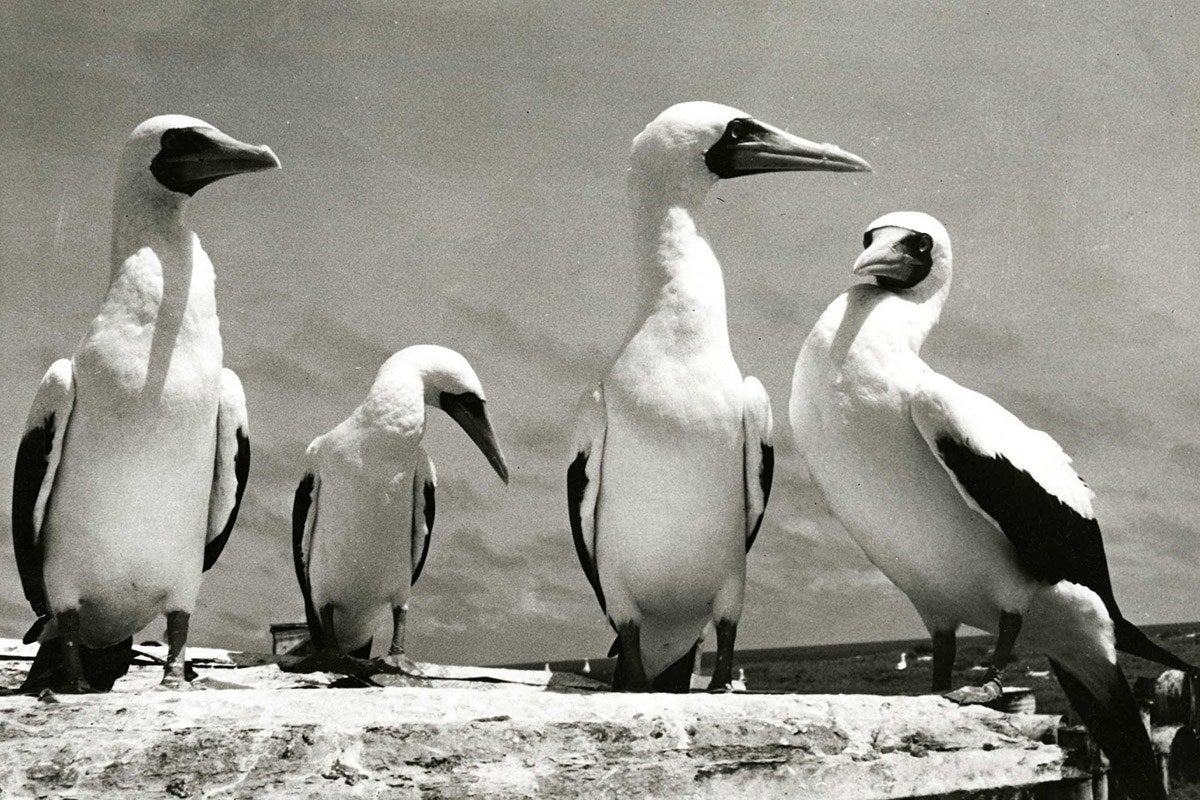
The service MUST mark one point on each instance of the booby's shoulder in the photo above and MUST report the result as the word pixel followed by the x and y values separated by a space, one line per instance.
pixel 949 415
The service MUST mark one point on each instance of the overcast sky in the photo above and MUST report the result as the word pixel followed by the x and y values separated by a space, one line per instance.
pixel 455 175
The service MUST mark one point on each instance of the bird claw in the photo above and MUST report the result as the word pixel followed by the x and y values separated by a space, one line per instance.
pixel 397 663
pixel 976 695
pixel 173 682
pixel 78 686
pixel 329 661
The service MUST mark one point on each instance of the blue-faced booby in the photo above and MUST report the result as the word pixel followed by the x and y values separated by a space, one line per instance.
pixel 117 507
pixel 364 511
pixel 976 517
pixel 672 463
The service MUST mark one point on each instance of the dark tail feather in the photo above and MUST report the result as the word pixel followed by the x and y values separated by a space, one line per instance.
pixel 1117 728
pixel 1130 639
pixel 44 670
pixel 35 630
pixel 677 678
pixel 101 666
pixel 616 647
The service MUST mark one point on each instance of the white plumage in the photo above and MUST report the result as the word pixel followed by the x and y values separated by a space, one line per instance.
pixel 672 452
pixel 129 508
pixel 364 512
pixel 976 517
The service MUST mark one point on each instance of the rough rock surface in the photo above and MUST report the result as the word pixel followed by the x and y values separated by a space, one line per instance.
pixel 458 738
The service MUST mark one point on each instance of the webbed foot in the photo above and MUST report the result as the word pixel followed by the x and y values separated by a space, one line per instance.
pixel 976 695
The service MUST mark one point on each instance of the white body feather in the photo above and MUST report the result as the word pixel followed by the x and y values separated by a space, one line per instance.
pixel 366 528
pixel 125 529
pixel 670 524
pixel 866 413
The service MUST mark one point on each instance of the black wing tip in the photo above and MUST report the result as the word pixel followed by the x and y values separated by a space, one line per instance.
pixel 430 505
pixel 300 506
pixel 1133 640
pixel 766 475
pixel 577 482
pixel 241 472
pixel 1052 540
pixel 33 461
pixel 429 492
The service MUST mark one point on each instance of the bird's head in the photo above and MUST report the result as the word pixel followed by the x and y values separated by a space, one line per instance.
pixel 691 145
pixel 905 250
pixel 452 385
pixel 173 156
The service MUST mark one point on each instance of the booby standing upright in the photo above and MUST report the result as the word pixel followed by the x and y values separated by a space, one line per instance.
pixel 363 513
pixel 117 505
pixel 672 463
pixel 976 517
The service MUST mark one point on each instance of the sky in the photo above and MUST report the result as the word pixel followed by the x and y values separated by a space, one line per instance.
pixel 455 174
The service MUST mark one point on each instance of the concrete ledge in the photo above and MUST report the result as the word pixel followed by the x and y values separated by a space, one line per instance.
pixel 515 742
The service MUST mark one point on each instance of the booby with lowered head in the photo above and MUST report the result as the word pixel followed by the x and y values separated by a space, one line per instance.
pixel 672 460
pixel 363 513
pixel 978 518
pixel 136 452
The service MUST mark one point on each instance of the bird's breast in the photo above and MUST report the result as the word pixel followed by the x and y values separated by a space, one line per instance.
pixel 676 393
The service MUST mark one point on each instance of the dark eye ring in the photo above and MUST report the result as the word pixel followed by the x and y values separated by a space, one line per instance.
pixel 924 243
pixel 737 129
pixel 867 237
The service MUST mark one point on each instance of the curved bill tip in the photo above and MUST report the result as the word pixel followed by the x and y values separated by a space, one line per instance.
pixel 271 161
pixel 850 162
pixel 500 466
pixel 469 412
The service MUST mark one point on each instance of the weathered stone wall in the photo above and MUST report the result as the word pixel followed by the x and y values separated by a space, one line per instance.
pixel 512 741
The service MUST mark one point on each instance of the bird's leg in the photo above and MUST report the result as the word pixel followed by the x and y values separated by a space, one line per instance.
pixel 992 688
pixel 944 646
pixel 631 657
pixel 174 676
pixel 330 658
pixel 396 660
pixel 399 621
pixel 74 681
pixel 722 678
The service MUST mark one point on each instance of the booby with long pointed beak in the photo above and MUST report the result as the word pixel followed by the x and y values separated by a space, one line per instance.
pixel 363 513
pixel 117 505
pixel 672 460
pixel 978 518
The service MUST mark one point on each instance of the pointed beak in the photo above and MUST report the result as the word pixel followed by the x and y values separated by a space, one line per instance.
pixel 224 156
pixel 769 149
pixel 468 411
pixel 886 256
pixel 205 155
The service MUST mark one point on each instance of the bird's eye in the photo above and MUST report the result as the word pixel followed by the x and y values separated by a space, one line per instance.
pixel 924 243
pixel 738 129
pixel 867 239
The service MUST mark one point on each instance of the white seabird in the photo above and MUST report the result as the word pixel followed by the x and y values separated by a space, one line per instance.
pixel 364 512
pixel 117 507
pixel 672 461
pixel 976 517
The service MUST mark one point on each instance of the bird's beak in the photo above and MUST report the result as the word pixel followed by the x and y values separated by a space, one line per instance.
pixel 222 156
pixel 887 256
pixel 207 155
pixel 468 411
pixel 766 148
